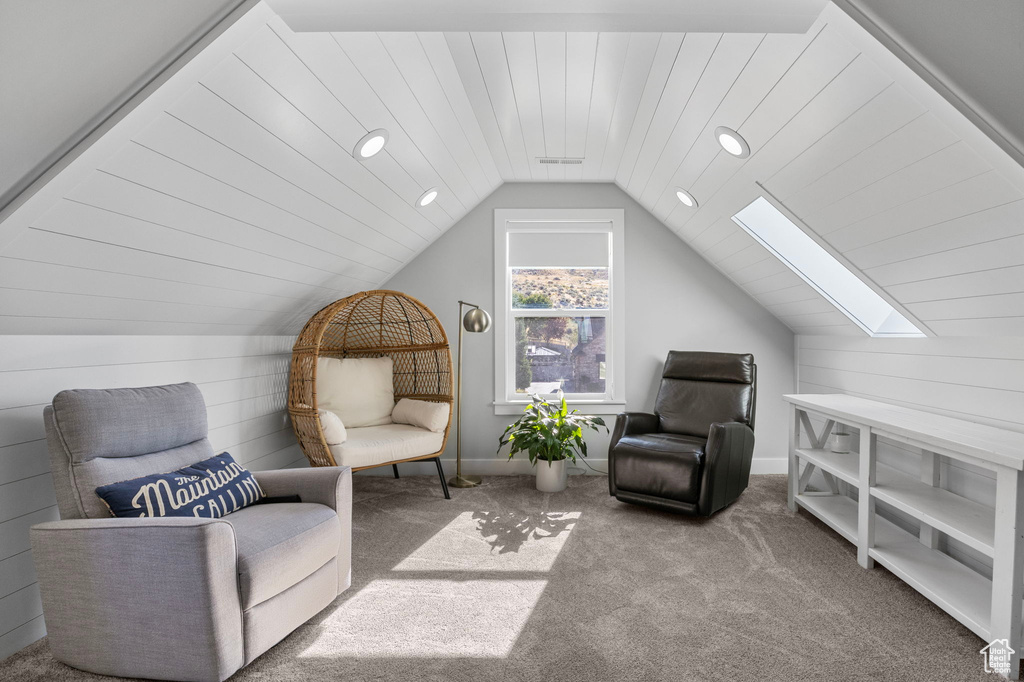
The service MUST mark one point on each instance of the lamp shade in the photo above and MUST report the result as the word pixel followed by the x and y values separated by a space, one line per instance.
pixel 476 320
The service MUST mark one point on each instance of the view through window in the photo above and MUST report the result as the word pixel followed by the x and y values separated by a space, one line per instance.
pixel 563 351
pixel 567 351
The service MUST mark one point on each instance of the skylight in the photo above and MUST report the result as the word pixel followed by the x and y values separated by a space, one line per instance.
pixel 821 270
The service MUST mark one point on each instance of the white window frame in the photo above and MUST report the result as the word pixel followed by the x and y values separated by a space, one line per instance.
pixel 509 220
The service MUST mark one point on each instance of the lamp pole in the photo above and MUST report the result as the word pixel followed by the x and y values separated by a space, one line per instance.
pixel 476 320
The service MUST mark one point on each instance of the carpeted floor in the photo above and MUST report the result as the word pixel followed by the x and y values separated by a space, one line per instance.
pixel 505 583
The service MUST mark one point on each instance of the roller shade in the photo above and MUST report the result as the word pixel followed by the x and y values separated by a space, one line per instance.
pixel 558 248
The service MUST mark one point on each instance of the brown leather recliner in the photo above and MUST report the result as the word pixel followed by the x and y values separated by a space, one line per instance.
pixel 692 456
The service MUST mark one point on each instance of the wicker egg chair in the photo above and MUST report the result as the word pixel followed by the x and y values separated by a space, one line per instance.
pixel 371 324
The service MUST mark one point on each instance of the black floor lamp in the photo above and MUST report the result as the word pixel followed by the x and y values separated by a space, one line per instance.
pixel 475 320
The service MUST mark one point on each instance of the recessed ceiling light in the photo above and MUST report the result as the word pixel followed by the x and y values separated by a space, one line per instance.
pixel 427 197
pixel 686 198
pixel 370 144
pixel 732 142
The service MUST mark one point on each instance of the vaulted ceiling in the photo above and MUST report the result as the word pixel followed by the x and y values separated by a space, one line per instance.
pixel 229 201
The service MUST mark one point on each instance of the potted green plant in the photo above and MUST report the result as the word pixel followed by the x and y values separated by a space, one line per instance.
pixel 550 434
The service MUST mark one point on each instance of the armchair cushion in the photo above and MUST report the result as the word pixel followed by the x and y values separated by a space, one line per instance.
pixel 699 389
pixel 329 486
pixel 425 414
pixel 359 390
pixel 690 407
pixel 663 465
pixel 280 545
pixel 126 422
pixel 333 428
pixel 374 445
pixel 704 366
pixel 211 488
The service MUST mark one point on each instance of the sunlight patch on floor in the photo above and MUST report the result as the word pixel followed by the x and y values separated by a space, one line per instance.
pixel 495 541
pixel 429 618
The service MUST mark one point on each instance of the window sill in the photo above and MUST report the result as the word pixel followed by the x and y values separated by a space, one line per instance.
pixel 584 406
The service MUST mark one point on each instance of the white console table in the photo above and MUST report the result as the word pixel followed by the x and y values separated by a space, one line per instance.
pixel 989 608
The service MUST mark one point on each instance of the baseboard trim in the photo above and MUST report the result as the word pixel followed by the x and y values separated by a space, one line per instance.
pixel 773 465
pixel 484 467
pixel 518 467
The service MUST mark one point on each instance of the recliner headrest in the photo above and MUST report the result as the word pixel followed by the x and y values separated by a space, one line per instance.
pixel 126 422
pixel 704 366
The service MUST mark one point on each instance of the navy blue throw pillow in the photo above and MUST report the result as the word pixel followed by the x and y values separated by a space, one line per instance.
pixel 208 489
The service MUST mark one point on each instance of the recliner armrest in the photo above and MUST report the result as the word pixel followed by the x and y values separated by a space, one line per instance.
pixel 330 486
pixel 125 596
pixel 726 465
pixel 630 423
pixel 627 424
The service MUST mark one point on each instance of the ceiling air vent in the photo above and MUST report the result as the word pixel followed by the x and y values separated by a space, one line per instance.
pixel 560 160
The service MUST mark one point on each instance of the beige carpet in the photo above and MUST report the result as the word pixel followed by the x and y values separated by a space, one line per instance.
pixel 505 583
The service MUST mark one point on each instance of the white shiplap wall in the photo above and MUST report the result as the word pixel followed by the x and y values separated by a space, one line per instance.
pixel 976 379
pixel 243 379
pixel 884 171
pixel 229 201
pixel 843 133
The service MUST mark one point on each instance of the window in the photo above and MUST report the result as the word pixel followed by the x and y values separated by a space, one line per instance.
pixel 558 291
pixel 819 268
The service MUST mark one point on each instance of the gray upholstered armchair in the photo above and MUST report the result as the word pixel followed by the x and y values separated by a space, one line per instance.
pixel 176 598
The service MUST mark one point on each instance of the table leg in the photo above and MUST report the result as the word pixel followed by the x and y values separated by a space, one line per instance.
pixel 794 468
pixel 930 475
pixel 1008 564
pixel 865 501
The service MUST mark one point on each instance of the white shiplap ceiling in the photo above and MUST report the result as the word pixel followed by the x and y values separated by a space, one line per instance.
pixel 229 201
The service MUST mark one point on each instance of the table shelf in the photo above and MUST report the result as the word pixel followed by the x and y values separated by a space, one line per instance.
pixel 844 466
pixel 956 589
pixel 969 522
pixel 838 512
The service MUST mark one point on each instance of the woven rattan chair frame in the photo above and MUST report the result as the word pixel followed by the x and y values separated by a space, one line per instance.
pixel 370 324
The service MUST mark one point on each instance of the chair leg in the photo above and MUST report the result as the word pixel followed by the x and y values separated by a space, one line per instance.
pixel 444 483
pixel 394 467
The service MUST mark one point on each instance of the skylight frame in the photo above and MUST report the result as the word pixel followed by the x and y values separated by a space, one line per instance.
pixel 917 329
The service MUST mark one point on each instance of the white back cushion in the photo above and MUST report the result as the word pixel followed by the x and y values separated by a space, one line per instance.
pixel 360 391
pixel 421 413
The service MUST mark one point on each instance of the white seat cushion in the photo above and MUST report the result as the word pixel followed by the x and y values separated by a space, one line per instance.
pixel 279 545
pixel 371 445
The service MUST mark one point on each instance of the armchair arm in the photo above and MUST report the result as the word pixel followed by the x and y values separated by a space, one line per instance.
pixel 330 486
pixel 626 424
pixel 126 597
pixel 629 423
pixel 726 465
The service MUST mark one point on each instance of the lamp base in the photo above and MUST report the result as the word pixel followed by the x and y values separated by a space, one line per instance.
pixel 464 481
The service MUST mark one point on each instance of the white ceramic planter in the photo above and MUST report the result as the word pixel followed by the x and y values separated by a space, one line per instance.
pixel 841 442
pixel 552 477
